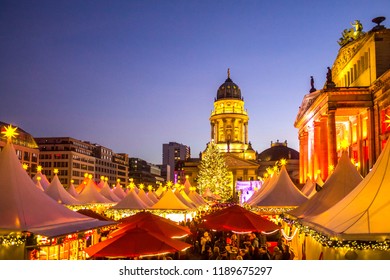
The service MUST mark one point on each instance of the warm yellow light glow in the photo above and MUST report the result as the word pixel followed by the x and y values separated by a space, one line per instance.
pixel 55 171
pixel 169 184
pixel 90 176
pixel 331 168
pixel 283 161
pixel 387 121
pixel 118 180
pixel 131 179
pixel 10 132
pixel 25 166
pixel 85 175
pixel 72 181
pixel 106 179
pixel 150 187
pixel 39 178
pixel 319 171
pixel 141 186
pixel 102 178
pixel 344 144
pixel 39 168
pixel 187 176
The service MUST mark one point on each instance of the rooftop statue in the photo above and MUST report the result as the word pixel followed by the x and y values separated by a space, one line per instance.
pixel 351 34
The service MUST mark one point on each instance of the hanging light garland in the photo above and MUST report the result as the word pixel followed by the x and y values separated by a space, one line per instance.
pixel 334 242
pixel 12 240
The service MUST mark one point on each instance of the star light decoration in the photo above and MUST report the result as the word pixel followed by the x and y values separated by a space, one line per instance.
pixel 10 132
pixel 387 121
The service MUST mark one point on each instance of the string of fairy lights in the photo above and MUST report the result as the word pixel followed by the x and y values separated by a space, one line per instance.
pixel 334 242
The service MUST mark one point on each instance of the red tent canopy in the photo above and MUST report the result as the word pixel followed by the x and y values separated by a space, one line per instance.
pixel 238 219
pixel 134 243
pixel 152 223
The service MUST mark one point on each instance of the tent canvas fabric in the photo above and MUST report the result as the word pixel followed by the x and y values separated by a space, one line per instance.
pixel 131 201
pixel 145 198
pixel 72 191
pixel 281 193
pixel 44 181
pixel 135 243
pixel 253 199
pixel 57 192
pixel 152 196
pixel 90 194
pixel 170 201
pixel 185 199
pixel 152 223
pixel 238 219
pixel 25 208
pixel 119 192
pixel 108 193
pixel 364 213
pixel 309 189
pixel 341 182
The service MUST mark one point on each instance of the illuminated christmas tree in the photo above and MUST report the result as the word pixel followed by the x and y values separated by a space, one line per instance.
pixel 214 174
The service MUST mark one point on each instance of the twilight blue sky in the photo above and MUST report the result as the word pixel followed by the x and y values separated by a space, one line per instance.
pixel 132 75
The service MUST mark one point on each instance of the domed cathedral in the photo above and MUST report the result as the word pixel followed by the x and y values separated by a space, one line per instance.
pixel 352 110
pixel 229 121
pixel 273 155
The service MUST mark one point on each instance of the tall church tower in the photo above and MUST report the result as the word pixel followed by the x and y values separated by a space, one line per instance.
pixel 229 121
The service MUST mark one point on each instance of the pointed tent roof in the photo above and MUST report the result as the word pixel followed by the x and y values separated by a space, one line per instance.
pixel 309 189
pixel 23 207
pixel 131 201
pixel 39 186
pixel 341 182
pixel 194 196
pixel 282 192
pixel 186 200
pixel 108 193
pixel 257 195
pixel 44 181
pixel 365 212
pixel 72 190
pixel 101 183
pixel 118 191
pixel 152 196
pixel 187 185
pixel 170 201
pixel 319 181
pixel 159 191
pixel 90 194
pixel 57 192
pixel 145 198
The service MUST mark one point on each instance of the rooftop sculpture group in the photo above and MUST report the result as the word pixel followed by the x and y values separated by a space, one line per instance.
pixel 351 34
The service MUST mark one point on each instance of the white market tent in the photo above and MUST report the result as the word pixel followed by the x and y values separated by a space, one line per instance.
pixel 169 201
pixel 152 196
pixel 309 189
pixel 281 192
pixel 131 201
pixel 91 195
pixel 341 182
pixel 72 190
pixel 365 212
pixel 183 197
pixel 357 224
pixel 118 191
pixel 145 198
pixel 108 193
pixel 25 208
pixel 42 178
pixel 57 192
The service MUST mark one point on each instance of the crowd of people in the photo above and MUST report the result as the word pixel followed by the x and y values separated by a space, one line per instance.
pixel 222 245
